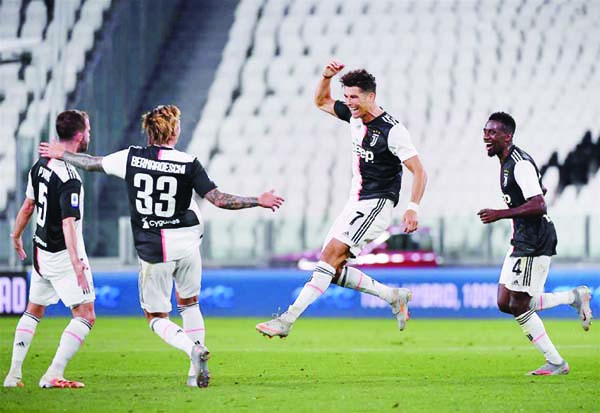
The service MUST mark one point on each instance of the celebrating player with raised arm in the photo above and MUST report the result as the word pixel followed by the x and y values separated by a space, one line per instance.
pixel 525 269
pixel 380 147
pixel 167 227
pixel 60 264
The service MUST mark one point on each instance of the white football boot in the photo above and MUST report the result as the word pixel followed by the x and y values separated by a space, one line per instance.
pixel 199 358
pixel 275 327
pixel 582 305
pixel 400 299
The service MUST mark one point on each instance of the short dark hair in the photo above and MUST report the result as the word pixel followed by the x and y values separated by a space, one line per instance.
pixel 360 78
pixel 506 120
pixel 69 122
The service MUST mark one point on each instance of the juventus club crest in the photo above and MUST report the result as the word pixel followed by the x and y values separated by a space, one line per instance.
pixel 374 137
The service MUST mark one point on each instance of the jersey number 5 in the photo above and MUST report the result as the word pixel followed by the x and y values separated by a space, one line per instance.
pixel 42 204
pixel 166 186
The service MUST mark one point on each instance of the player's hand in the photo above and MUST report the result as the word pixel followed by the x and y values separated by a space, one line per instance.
pixel 333 68
pixel 410 221
pixel 487 216
pixel 18 246
pixel 82 282
pixel 270 200
pixel 52 149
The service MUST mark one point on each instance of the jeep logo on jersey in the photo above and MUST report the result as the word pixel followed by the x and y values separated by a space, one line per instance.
pixel 75 200
pixel 368 156
pixel 150 223
pixel 506 199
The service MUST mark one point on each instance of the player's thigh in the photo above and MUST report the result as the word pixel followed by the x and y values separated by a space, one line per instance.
pixel 155 285
pixel 188 275
pixel 361 222
pixel 525 274
pixel 41 291
pixel 56 268
pixel 70 292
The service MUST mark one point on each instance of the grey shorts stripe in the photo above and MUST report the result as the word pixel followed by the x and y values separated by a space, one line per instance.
pixel 370 218
pixel 527 275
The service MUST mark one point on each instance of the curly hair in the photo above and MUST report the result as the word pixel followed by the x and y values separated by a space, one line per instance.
pixel 69 123
pixel 160 123
pixel 361 78
pixel 506 120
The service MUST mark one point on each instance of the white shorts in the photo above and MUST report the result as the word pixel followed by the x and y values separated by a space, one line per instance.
pixel 53 278
pixel 361 222
pixel 525 274
pixel 155 281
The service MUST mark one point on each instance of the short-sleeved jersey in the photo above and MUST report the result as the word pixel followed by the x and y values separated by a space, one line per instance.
pixel 165 220
pixel 58 194
pixel 378 149
pixel 520 180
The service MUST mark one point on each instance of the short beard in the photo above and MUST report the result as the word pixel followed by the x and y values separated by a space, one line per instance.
pixel 83 147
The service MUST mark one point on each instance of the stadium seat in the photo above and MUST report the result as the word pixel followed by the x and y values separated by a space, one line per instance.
pixel 441 68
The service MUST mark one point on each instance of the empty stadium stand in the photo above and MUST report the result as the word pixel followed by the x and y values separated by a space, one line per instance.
pixel 442 67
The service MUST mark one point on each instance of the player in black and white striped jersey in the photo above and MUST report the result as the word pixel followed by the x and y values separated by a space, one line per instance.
pixel 167 227
pixel 380 147
pixel 526 266
pixel 60 264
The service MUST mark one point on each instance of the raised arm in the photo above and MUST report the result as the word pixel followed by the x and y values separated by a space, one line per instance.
pixel 79 160
pixel 229 201
pixel 411 220
pixel 323 98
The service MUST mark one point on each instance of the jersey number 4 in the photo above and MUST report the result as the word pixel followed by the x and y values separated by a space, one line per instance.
pixel 165 186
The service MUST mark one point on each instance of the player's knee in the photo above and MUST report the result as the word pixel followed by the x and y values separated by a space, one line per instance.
pixel 335 254
pixel 187 301
pixel 518 307
pixel 85 311
pixel 504 306
pixel 36 309
pixel 90 317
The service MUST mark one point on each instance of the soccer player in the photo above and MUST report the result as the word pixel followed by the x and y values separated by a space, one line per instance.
pixel 526 266
pixel 380 146
pixel 60 264
pixel 167 227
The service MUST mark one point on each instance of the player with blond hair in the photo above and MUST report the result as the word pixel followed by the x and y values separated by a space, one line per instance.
pixel 167 226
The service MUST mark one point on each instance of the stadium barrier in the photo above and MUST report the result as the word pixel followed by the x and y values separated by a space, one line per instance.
pixel 439 292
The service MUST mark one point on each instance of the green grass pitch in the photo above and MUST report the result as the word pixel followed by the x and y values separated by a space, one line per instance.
pixel 325 365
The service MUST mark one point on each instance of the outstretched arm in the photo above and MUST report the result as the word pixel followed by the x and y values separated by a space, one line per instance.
pixel 323 98
pixel 411 220
pixel 229 201
pixel 79 160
